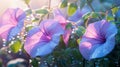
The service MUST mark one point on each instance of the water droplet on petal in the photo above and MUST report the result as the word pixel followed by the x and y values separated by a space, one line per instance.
pixel 30 60
pixel 3 40
pixel 12 42
pixel 39 62
pixel 20 49
pixel 18 36
pixel 13 38
pixel 9 51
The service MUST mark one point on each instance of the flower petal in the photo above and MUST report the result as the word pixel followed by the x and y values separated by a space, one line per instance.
pixel 9 20
pixel 43 39
pixel 76 16
pixel 66 36
pixel 20 17
pixel 43 48
pixel 50 27
pixel 98 40
pixel 58 16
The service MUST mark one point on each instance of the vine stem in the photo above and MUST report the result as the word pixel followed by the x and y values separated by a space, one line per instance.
pixel 49 6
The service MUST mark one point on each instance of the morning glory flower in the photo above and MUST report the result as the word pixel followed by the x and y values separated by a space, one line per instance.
pixel 98 40
pixel 43 39
pixel 11 23
pixel 58 16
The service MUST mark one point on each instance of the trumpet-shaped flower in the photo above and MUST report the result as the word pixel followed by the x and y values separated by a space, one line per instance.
pixel 98 40
pixel 58 16
pixel 42 40
pixel 63 21
pixel 11 23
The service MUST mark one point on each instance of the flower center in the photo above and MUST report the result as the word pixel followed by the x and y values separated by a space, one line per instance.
pixel 103 39
pixel 49 38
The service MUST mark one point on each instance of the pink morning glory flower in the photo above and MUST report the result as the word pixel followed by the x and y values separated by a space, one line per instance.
pixel 42 40
pixel 98 40
pixel 11 23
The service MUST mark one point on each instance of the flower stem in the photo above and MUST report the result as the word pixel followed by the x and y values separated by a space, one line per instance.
pixel 49 6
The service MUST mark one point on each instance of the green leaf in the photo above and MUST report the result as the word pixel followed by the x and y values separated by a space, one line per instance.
pixel 110 18
pixel 16 46
pixel 35 20
pixel 76 54
pixel 72 43
pixel 27 1
pixel 94 15
pixel 80 31
pixel 86 15
pixel 57 53
pixel 64 4
pixel 67 51
pixel 114 10
pixel 34 62
pixel 29 28
pixel 78 40
pixel 41 11
pixel 72 8
pixel 49 59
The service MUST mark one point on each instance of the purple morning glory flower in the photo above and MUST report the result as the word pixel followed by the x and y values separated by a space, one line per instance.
pixel 63 21
pixel 58 16
pixel 42 40
pixel 11 23
pixel 98 40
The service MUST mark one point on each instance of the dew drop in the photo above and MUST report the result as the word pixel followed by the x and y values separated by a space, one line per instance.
pixel 13 38
pixel 9 51
pixel 4 40
pixel 20 49
pixel 30 60
pixel 39 62
pixel 12 42
pixel 18 36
